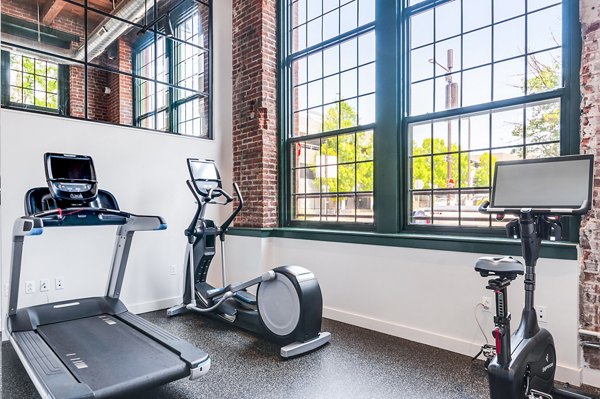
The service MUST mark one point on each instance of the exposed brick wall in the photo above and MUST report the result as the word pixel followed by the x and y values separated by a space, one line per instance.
pixel 120 100
pixel 590 135
pixel 255 110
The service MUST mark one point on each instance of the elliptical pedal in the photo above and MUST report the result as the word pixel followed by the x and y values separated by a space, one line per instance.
pixel 533 394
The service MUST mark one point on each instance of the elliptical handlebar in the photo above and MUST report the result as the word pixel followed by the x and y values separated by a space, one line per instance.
pixel 237 210
pixel 212 194
pixel 582 210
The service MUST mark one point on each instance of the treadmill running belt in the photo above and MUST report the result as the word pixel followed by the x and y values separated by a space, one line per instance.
pixel 110 356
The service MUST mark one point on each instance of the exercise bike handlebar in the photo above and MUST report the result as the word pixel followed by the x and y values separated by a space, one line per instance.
pixel 585 206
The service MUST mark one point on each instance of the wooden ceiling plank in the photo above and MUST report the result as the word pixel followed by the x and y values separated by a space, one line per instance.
pixel 51 11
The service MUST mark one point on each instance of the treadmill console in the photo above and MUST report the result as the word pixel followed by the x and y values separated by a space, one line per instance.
pixel 71 177
pixel 205 176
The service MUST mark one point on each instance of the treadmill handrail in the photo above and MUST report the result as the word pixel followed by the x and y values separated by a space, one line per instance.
pixel 34 225
pixel 583 208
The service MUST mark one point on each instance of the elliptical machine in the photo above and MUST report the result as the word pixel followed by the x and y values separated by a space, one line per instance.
pixel 525 362
pixel 288 306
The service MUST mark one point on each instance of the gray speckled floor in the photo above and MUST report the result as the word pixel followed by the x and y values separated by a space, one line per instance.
pixel 357 364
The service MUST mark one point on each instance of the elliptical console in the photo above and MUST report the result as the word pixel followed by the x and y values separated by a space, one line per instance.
pixel 525 362
pixel 288 305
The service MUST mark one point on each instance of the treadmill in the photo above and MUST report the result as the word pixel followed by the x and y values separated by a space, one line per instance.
pixel 90 347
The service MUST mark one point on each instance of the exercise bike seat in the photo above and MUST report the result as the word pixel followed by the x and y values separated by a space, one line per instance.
pixel 505 267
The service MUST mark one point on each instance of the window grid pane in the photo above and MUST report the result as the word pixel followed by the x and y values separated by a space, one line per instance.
pixel 448 182
pixel 181 104
pixel 454 63
pixel 332 178
pixel 333 94
pixel 472 53
pixel 33 82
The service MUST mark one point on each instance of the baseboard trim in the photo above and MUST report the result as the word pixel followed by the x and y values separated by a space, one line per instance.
pixel 151 306
pixel 564 373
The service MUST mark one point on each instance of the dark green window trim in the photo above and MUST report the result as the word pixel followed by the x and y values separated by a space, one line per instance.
pixel 390 145
pixel 479 245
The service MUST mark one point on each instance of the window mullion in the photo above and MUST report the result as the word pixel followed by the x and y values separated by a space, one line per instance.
pixel 386 158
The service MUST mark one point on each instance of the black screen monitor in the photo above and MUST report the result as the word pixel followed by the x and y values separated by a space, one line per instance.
pixel 71 177
pixel 62 167
pixel 204 174
pixel 560 182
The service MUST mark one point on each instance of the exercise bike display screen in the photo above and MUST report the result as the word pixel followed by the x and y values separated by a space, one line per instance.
pixel 204 175
pixel 561 182
pixel 66 168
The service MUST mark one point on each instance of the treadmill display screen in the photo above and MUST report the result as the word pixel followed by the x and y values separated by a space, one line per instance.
pixel 71 168
pixel 203 170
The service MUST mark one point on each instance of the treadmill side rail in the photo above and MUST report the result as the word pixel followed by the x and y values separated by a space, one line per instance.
pixel 45 369
pixel 197 360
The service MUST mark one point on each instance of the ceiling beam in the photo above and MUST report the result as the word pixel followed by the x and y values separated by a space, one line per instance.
pixel 51 11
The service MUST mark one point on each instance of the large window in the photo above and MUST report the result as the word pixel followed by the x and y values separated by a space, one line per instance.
pixel 332 78
pixel 183 105
pixel 471 82
pixel 127 62
pixel 491 57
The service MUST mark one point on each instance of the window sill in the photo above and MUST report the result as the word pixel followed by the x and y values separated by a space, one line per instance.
pixel 484 245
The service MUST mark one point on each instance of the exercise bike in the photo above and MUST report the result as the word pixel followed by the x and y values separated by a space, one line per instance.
pixel 525 362
pixel 288 305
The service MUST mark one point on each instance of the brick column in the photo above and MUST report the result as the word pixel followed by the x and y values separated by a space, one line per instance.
pixel 255 110
pixel 120 99
pixel 590 134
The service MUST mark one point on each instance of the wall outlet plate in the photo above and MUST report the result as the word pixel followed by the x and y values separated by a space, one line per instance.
pixel 486 302
pixel 44 284
pixel 542 314
pixel 59 283
pixel 30 287
pixel 173 270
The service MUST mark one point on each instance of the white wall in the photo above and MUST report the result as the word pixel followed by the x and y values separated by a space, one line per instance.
pixel 146 171
pixel 421 295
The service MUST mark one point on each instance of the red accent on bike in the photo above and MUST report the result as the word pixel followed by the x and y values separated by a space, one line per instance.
pixel 496 334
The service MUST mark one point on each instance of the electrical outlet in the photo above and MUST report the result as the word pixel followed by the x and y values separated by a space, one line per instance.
pixel 44 285
pixel 6 289
pixel 59 283
pixel 30 287
pixel 542 314
pixel 486 301
pixel 173 270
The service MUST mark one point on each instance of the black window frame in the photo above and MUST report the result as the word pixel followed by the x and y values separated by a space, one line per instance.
pixel 391 152
pixel 149 39
pixel 62 94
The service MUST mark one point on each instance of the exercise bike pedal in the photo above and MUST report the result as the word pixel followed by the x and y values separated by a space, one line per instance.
pixel 533 394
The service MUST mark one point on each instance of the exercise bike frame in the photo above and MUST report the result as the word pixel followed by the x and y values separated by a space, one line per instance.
pixel 525 362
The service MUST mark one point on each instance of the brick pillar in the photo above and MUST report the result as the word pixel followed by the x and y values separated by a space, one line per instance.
pixel 76 91
pixel 120 99
pixel 255 110
pixel 590 134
